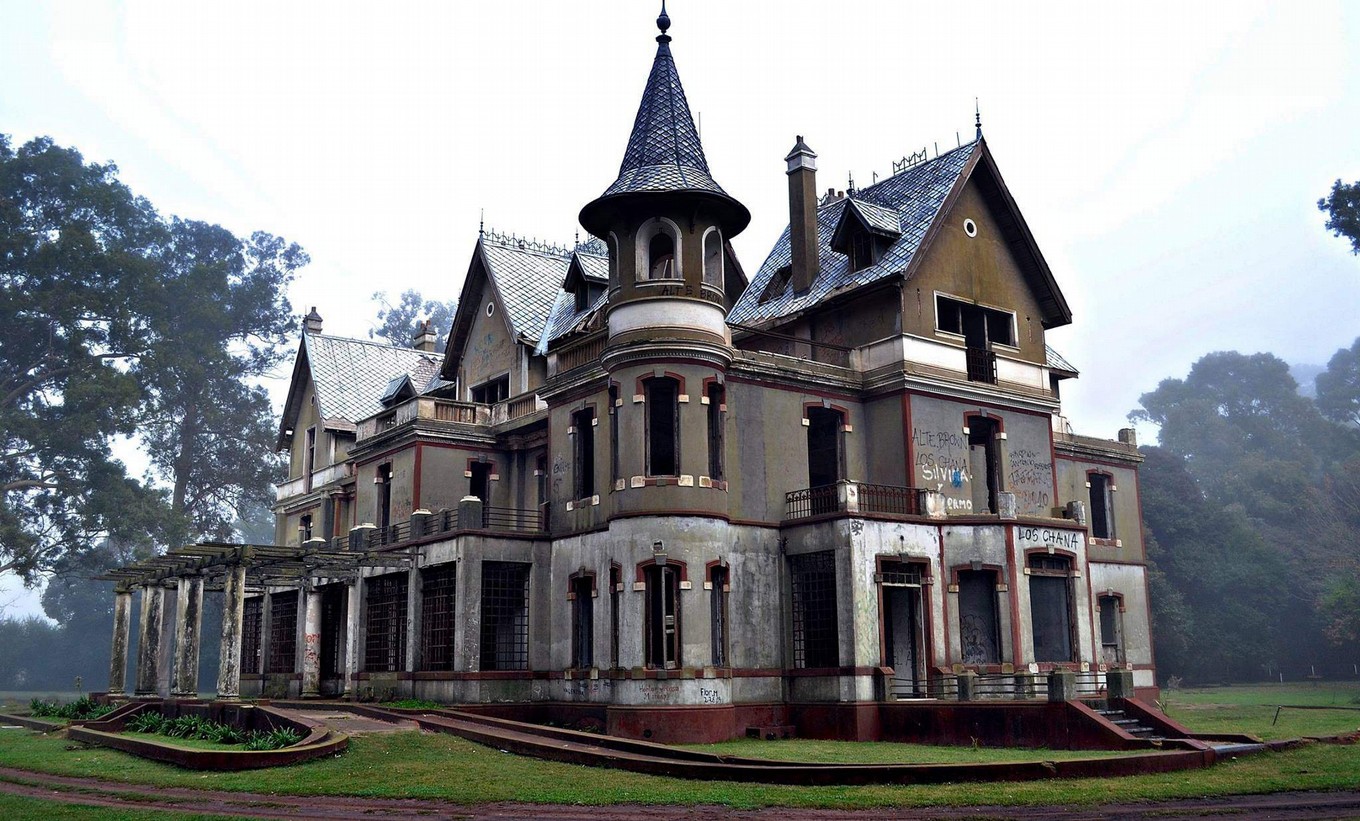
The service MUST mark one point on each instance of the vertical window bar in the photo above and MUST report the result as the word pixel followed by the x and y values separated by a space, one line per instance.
pixel 437 608
pixel 816 634
pixel 505 616
pixel 385 637
pixel 282 632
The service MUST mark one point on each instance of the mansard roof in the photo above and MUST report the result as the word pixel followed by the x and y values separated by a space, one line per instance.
pixel 917 197
pixel 350 378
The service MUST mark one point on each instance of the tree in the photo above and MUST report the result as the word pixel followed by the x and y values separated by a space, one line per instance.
pixel 74 283
pixel 1342 207
pixel 1338 387
pixel 220 323
pixel 398 324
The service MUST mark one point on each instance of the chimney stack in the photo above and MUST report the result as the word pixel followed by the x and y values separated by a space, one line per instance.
pixel 424 338
pixel 802 173
pixel 312 322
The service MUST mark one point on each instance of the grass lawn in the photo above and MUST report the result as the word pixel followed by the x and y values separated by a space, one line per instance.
pixel 13 806
pixel 1250 708
pixel 883 752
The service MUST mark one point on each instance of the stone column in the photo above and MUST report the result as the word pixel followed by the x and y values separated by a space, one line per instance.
pixel 233 612
pixel 188 627
pixel 149 635
pixel 122 632
pixel 311 644
pixel 352 637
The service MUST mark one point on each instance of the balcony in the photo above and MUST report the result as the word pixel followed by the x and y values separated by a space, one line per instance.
pixel 854 497
pixel 981 366
pixel 320 478
pixel 448 410
pixel 493 519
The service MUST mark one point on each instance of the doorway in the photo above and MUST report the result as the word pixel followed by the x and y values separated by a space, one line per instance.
pixel 903 627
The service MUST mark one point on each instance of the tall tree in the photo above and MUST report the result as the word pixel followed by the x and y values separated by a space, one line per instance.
pixel 1338 387
pixel 398 323
pixel 74 285
pixel 1342 206
pixel 221 319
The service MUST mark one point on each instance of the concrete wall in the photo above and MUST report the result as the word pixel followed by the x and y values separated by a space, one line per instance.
pixel 1128 522
pixel 490 350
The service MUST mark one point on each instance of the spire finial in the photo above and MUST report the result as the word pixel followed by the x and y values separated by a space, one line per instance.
pixel 977 117
pixel 663 22
pixel 481 222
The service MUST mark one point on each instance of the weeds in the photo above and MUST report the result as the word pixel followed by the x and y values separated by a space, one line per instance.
pixel 194 727
pixel 82 709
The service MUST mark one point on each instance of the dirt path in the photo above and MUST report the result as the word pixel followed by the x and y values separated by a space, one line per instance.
pixel 1295 806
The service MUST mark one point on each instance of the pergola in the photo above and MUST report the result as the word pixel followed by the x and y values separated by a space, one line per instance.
pixel 236 570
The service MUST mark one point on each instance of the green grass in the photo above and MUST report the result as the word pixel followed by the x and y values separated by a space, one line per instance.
pixel 881 752
pixel 1250 708
pixel 420 765
pixel 14 806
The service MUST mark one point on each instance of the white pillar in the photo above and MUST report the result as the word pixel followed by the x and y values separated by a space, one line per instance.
pixel 233 611
pixel 188 629
pixel 311 644
pixel 352 642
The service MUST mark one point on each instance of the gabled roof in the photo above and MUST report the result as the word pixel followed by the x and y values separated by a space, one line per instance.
pixel 917 196
pixel 876 218
pixel 1055 362
pixel 350 377
pixel 399 389
pixel 564 318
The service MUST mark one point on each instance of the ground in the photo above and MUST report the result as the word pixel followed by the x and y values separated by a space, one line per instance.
pixel 379 770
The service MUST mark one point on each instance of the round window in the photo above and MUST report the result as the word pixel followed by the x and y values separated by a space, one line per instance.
pixel 491 307
pixel 970 228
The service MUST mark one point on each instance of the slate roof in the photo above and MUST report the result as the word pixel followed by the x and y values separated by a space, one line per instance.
pixel 528 277
pixel 351 375
pixel 564 317
pixel 879 219
pixel 1055 361
pixel 914 196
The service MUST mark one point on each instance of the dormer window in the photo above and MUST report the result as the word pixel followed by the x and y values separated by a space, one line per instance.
pixel 861 250
pixel 865 232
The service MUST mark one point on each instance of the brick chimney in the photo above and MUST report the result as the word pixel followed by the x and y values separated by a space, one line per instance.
pixel 312 322
pixel 802 173
pixel 424 338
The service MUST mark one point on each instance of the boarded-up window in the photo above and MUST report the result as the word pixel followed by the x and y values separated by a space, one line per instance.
pixel 1050 604
pixel 713 259
pixel 979 625
pixel 385 631
pixel 438 596
pixel 816 632
pixel 283 608
pixel 505 616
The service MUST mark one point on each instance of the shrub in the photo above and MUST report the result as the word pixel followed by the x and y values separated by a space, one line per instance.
pixel 147 722
pixel 184 727
pixel 413 704
pixel 273 739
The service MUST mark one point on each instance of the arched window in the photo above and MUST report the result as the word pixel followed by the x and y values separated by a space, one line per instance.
pixel 713 258
pixel 661 257
pixel 663 426
pixel 613 243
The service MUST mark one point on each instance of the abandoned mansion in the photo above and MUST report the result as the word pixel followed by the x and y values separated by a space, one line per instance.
pixel 643 487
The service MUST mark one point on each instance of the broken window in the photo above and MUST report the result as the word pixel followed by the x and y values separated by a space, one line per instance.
pixel 903 625
pixel 283 608
pixel 980 328
pixel 479 483
pixel 309 461
pixel 1050 606
pixel 779 280
pixel 1111 629
pixel 662 615
pixel 663 426
pixel 384 483
pixel 825 454
pixel 492 391
pixel 661 256
pixel 984 462
pixel 252 618
pixel 816 631
pixel 583 622
pixel 584 423
pixel 385 623
pixel 334 604
pixel 979 620
pixel 305 527
pixel 717 614
pixel 1102 507
pixel 615 594
pixel 713 259
pixel 438 596
pixel 717 410
pixel 505 616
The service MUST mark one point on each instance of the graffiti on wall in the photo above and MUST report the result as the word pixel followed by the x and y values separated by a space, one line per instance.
pixel 1031 480
pixel 941 458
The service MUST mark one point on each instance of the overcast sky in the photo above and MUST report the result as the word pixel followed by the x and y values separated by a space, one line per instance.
pixel 1167 156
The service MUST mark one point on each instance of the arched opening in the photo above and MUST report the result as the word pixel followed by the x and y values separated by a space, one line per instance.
pixel 713 258
pixel 661 257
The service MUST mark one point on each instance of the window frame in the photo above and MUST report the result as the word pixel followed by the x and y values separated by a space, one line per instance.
pixel 655 406
pixel 1100 484
pixel 661 582
pixel 583 452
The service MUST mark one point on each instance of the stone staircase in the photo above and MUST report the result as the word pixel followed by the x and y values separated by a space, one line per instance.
pixel 1130 725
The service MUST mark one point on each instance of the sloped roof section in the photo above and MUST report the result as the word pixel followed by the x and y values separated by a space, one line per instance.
pixel 1056 362
pixel 914 196
pixel 879 219
pixel 528 276
pixel 564 318
pixel 351 375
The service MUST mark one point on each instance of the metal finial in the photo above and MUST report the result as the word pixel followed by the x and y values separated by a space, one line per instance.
pixel 664 21
pixel 977 117
pixel 481 222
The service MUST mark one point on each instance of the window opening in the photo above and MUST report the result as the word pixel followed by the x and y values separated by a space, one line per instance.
pixel 479 484
pixel 713 259
pixel 505 616
pixel 662 616
pixel 384 499
pixel 582 623
pixel 615 582
pixel 309 461
pixel 613 433
pixel 861 250
pixel 283 609
pixel 902 625
pixel 541 474
pixel 1050 603
pixel 663 427
pixel 717 399
pixel 334 604
pixel 492 391
pixel 717 615
pixel 984 463
pixel 438 597
pixel 816 634
pixel 979 619
pixel 1102 518
pixel 1111 631
pixel 385 625
pixel 981 328
pixel 252 618
pixel 584 422
pixel 825 457
pixel 661 257
pixel 779 280
pixel 305 527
